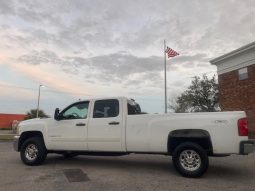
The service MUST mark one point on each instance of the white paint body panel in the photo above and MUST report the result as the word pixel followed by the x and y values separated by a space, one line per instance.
pixel 136 133
pixel 105 137
pixel 149 133
pixel 65 135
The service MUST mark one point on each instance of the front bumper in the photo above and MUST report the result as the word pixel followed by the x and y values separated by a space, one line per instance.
pixel 247 147
pixel 16 143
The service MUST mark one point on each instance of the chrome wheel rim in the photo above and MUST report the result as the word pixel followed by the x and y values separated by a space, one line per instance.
pixel 31 152
pixel 190 160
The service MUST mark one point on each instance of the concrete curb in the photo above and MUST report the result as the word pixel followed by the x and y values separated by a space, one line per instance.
pixel 7 137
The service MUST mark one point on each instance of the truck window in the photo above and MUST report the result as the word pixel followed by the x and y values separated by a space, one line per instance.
pixel 133 108
pixel 76 111
pixel 106 108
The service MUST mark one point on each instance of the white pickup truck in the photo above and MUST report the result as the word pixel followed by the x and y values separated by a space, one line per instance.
pixel 116 126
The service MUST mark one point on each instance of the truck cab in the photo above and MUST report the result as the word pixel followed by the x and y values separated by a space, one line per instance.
pixel 86 125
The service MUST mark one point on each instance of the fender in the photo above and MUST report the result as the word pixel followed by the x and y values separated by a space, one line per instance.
pixel 33 127
pixel 199 136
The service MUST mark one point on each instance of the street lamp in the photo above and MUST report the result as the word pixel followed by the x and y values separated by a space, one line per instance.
pixel 38 101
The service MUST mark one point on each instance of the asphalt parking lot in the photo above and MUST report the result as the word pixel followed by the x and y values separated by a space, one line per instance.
pixel 131 173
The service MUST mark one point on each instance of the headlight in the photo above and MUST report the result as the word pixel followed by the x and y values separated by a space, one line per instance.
pixel 16 128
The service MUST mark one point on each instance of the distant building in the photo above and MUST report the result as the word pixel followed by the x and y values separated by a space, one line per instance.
pixel 236 76
pixel 6 120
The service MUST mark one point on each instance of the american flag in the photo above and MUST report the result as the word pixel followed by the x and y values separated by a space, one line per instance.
pixel 171 53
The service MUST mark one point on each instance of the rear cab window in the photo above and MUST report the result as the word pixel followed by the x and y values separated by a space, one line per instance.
pixel 133 108
pixel 106 108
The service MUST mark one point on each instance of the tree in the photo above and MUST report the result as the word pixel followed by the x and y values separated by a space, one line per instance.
pixel 32 114
pixel 201 96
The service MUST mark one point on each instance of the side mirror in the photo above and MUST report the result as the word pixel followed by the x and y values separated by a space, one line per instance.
pixel 56 114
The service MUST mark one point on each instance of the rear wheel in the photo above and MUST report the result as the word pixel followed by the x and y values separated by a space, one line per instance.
pixel 190 160
pixel 33 151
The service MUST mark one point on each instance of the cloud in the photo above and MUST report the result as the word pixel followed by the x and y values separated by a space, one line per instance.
pixel 6 7
pixel 140 74
pixel 8 90
pixel 119 46
pixel 36 58
pixel 112 66
pixel 51 80
pixel 137 27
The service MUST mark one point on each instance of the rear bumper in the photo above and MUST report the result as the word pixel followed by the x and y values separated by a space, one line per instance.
pixel 247 147
pixel 16 143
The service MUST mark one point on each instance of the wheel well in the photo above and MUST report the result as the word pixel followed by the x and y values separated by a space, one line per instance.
pixel 28 134
pixel 198 136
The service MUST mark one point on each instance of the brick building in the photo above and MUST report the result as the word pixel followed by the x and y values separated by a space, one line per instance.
pixel 236 76
pixel 7 119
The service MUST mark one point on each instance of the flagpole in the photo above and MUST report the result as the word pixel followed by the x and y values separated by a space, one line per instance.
pixel 165 76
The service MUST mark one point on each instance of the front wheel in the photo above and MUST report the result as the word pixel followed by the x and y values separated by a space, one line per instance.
pixel 33 151
pixel 190 160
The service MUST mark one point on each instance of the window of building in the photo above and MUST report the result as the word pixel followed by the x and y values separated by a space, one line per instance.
pixel 243 73
pixel 106 108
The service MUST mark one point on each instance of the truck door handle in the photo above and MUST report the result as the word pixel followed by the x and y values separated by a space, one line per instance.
pixel 80 124
pixel 114 123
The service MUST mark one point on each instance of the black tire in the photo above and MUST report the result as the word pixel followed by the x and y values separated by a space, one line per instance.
pixel 190 160
pixel 33 158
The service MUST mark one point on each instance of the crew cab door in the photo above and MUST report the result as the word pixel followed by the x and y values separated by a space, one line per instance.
pixel 69 132
pixel 105 126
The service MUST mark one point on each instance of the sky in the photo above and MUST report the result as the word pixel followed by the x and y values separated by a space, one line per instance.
pixel 81 49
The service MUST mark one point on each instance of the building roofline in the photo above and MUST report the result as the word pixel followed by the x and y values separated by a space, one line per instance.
pixel 233 53
pixel 12 114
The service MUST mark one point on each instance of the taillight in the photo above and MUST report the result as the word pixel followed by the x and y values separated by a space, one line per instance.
pixel 243 127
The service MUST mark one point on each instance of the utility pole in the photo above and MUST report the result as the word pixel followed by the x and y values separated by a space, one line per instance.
pixel 38 101
pixel 165 76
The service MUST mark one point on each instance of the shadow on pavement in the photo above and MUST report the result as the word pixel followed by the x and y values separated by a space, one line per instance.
pixel 110 162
